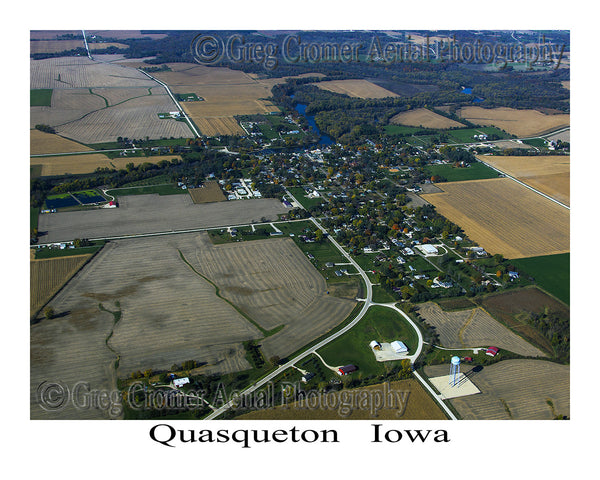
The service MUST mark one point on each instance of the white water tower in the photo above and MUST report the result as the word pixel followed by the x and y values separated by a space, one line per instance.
pixel 454 370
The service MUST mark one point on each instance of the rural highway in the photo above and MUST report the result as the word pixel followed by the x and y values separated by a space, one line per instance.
pixel 368 302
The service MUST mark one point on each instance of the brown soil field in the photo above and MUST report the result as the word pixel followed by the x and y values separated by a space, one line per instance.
pixel 226 93
pixel 509 307
pixel 135 118
pixel 55 46
pixel 169 314
pixel 566 84
pixel 214 126
pixel 42 142
pixel 549 174
pixel 138 214
pixel 518 122
pixel 210 192
pixel 48 275
pixel 81 72
pixel 514 389
pixel 474 328
pixel 425 118
pixel 87 163
pixel 505 217
pixel 356 88
pixel 347 405
pixel 272 281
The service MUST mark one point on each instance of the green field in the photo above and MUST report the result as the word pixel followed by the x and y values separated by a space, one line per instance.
pixel 551 272
pixel 466 135
pixel 41 97
pixel 380 323
pixel 477 171
pixel 164 189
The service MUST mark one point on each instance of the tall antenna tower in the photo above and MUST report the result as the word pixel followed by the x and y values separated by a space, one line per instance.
pixel 454 371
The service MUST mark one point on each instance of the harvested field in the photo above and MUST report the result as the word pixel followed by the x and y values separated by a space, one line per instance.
pixel 56 46
pixel 139 214
pixel 504 217
pixel 45 143
pixel 67 105
pixel 511 307
pixel 87 163
pixel 514 389
pixel 81 72
pixel 517 122
pixel 474 328
pixel 549 174
pixel 422 117
pixel 134 118
pixel 214 126
pixel 356 88
pixel 273 282
pixel 410 395
pixel 168 315
pixel 226 93
pixel 125 34
pixel 47 276
pixel 210 192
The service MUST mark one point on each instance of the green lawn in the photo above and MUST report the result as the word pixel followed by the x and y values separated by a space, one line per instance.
pixel 165 189
pixel 466 135
pixel 300 195
pixel 34 213
pixel 551 272
pixel 381 324
pixel 477 171
pixel 41 97
pixel 401 129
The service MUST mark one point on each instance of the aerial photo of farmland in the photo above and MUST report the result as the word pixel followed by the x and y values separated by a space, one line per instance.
pixel 297 220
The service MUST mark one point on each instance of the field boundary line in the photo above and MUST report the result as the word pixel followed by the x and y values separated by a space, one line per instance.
pixel 525 185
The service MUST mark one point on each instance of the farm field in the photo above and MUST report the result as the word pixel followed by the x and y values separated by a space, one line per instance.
pixel 550 174
pixel 210 192
pixel 273 282
pixel 514 307
pixel 418 405
pixel 476 171
pixel 356 88
pixel 473 327
pixel 425 118
pixel 551 272
pixel 504 217
pixel 81 72
pixel 87 163
pixel 168 314
pixel 522 123
pixel 514 389
pixel 47 276
pixel 45 143
pixel 138 214
pixel 56 46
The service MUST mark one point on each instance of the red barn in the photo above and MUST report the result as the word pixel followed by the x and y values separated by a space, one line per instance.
pixel 347 369
pixel 492 351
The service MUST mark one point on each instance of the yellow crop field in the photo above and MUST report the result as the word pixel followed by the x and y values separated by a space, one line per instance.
pixel 518 122
pixel 213 126
pixel 422 117
pixel 87 163
pixel 403 400
pixel 48 275
pixel 46 143
pixel 549 174
pixel 356 88
pixel 504 217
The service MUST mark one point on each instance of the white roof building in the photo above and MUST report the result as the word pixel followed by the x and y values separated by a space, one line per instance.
pixel 179 382
pixel 399 347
